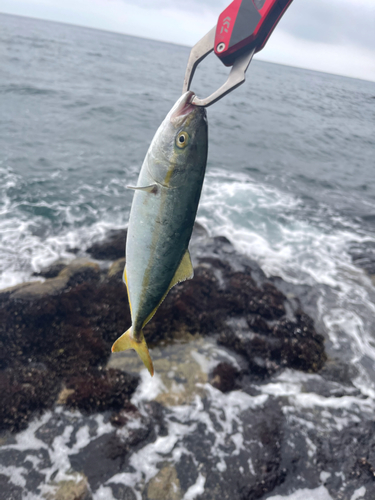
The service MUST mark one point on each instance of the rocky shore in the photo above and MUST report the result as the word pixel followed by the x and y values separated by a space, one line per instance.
pixel 55 339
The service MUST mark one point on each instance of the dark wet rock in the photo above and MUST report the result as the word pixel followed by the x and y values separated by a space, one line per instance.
pixel 36 289
pixel 99 391
pixel 122 492
pixel 216 294
pixel 68 323
pixel 122 417
pixel 108 454
pixel 364 468
pixel 78 271
pixel 13 457
pixel 254 318
pixel 23 393
pixel 61 330
pixel 47 433
pixel 11 491
pixel 112 247
pixel 349 453
pixel 337 371
pixel 224 377
pixel 186 471
pixel 68 332
pixel 96 461
pixel 73 250
pixel 334 447
pixel 156 411
pixel 53 270
pixel 269 447
pixel 249 473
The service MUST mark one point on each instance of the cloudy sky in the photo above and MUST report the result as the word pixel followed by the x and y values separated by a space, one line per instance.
pixel 335 36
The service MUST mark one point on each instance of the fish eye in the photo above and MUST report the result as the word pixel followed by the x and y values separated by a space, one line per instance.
pixel 182 139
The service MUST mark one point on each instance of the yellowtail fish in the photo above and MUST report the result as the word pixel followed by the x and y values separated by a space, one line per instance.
pixel 162 216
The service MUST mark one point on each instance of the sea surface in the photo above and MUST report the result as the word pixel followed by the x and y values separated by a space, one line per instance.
pixel 290 177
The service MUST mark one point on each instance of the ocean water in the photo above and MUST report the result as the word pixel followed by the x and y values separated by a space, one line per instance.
pixel 290 177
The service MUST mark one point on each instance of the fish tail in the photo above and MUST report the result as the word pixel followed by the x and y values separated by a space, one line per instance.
pixel 127 341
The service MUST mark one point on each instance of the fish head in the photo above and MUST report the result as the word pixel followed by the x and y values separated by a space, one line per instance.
pixel 179 148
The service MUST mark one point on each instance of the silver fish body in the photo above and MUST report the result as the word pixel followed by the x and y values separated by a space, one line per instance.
pixel 162 216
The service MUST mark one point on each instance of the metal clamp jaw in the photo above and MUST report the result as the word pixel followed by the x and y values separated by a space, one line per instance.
pixel 242 30
pixel 236 77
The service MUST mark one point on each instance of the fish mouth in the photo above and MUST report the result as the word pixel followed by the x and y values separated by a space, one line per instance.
pixel 183 107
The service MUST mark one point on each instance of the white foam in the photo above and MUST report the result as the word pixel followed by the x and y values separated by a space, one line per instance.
pixel 251 467
pixel 281 389
pixel 33 459
pixel 59 450
pixel 320 493
pixel 149 388
pixel 249 215
pixel 196 489
pixel 102 427
pixel 26 439
pixel 271 227
pixel 237 439
pixel 103 493
pixel 204 363
pixel 359 493
pixel 312 400
pixel 290 384
pixel 145 461
pixel 82 438
pixel 17 475
pixel 29 242
pixel 222 420
pixel 23 253
pixel 324 476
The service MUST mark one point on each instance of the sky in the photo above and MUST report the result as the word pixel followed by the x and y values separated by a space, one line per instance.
pixel 335 36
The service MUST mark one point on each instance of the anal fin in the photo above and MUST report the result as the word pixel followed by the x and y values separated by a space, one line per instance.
pixel 184 272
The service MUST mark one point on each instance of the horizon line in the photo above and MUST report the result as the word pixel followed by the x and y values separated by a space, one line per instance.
pixel 74 25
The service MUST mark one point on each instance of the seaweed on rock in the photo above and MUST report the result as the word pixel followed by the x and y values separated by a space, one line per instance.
pixel 60 331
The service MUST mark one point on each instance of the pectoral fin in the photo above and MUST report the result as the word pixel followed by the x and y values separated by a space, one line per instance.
pixel 127 341
pixel 151 188
pixel 184 272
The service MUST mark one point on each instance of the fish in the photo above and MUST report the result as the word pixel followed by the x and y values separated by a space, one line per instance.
pixel 162 216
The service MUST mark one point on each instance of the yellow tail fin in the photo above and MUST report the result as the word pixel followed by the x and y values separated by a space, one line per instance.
pixel 126 341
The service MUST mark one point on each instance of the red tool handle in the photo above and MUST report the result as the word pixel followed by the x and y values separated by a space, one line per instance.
pixel 246 24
